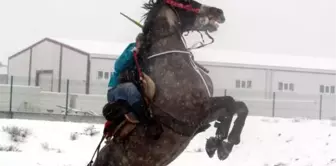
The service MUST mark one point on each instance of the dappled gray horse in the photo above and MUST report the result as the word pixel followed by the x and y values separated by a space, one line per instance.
pixel 183 104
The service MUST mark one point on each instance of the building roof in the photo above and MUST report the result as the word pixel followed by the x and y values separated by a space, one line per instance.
pixel 95 48
pixel 273 60
pixel 111 50
pixel 114 49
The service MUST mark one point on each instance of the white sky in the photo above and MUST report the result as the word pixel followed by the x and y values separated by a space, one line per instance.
pixel 295 27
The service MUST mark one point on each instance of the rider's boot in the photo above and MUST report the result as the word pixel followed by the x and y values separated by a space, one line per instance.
pixel 141 111
pixel 114 110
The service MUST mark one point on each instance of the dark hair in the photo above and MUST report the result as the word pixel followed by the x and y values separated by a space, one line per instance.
pixel 139 37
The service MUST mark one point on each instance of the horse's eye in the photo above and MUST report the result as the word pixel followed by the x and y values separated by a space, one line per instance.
pixel 216 10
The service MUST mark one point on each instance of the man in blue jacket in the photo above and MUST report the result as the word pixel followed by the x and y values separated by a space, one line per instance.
pixel 125 93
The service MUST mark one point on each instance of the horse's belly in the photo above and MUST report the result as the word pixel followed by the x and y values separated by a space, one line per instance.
pixel 185 103
pixel 138 149
pixel 181 92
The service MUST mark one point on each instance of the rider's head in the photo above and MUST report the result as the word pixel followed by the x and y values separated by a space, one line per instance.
pixel 138 40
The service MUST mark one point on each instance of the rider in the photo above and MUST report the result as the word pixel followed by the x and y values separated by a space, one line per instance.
pixel 121 89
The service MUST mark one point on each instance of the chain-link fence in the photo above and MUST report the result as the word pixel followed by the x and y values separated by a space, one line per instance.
pixel 52 99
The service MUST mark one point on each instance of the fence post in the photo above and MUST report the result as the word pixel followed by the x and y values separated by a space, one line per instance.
pixel 225 91
pixel 66 100
pixel 320 111
pixel 273 105
pixel 11 98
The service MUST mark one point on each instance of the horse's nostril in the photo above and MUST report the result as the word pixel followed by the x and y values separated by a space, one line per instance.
pixel 219 11
pixel 222 19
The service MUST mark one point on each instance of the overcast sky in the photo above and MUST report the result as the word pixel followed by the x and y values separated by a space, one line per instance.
pixel 295 27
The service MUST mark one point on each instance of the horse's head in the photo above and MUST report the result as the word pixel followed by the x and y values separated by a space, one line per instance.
pixel 196 16
pixel 166 21
pixel 186 15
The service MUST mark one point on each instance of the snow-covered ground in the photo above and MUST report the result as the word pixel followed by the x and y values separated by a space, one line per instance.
pixel 265 142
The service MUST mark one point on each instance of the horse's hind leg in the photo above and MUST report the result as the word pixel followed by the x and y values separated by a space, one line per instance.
pixel 223 110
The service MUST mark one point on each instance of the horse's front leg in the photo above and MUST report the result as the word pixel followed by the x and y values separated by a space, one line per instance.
pixel 223 109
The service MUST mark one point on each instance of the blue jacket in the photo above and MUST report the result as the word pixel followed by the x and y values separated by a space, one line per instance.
pixel 124 61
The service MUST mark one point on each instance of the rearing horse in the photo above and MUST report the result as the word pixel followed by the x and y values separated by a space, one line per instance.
pixel 183 101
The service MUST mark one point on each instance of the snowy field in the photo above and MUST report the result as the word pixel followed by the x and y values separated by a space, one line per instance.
pixel 265 142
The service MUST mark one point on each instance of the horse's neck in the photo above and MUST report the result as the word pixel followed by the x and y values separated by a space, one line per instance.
pixel 165 32
pixel 168 44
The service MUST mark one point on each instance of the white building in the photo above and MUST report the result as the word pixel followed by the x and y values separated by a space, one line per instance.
pixel 50 62
pixel 88 64
pixel 269 73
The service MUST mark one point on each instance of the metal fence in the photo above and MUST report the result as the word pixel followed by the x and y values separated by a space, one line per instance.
pixel 19 101
pixel 19 98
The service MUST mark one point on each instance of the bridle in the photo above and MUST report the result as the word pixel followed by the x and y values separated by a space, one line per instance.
pixel 180 5
pixel 189 8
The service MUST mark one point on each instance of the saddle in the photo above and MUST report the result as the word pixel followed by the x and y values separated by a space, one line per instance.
pixel 148 85
pixel 126 126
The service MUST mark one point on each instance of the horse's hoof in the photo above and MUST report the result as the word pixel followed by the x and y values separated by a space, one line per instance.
pixel 211 146
pixel 224 150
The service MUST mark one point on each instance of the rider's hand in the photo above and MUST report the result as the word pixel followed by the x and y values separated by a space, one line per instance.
pixel 134 49
pixel 143 81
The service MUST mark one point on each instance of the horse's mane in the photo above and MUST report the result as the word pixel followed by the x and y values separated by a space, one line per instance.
pixel 152 7
pixel 149 6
